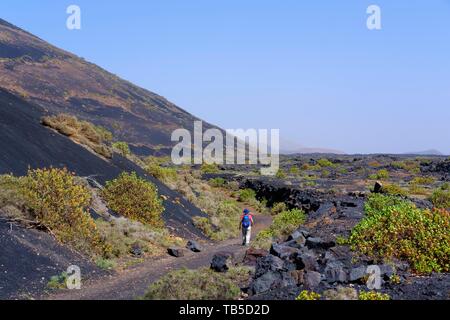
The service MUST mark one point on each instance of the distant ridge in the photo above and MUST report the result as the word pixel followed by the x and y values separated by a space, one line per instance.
pixel 431 152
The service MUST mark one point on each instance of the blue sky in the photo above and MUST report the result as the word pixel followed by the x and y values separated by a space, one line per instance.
pixel 310 68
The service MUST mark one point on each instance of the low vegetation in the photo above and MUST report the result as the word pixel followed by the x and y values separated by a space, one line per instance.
pixel 382 174
pixel 306 295
pixel 223 223
pixel 209 168
pixel 396 228
pixel 58 282
pixel 395 190
pixel 94 137
pixel 410 166
pixel 122 148
pixel 441 197
pixel 202 284
pixel 278 208
pixel 134 198
pixel 325 163
pixel 283 224
pixel 123 234
pixel 158 168
pixel 373 296
pixel 218 199
pixel 55 200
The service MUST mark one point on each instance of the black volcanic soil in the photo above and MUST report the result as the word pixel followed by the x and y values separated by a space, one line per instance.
pixel 25 143
pixel 29 257
pixel 61 82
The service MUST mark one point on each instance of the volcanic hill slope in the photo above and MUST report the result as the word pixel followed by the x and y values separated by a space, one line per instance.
pixel 37 79
pixel 61 82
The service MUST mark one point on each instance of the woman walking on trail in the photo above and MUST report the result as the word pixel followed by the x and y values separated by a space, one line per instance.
pixel 246 225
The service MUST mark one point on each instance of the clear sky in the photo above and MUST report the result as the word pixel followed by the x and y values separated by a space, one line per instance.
pixel 310 68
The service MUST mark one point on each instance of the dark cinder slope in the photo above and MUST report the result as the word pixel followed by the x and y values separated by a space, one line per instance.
pixel 61 82
pixel 25 143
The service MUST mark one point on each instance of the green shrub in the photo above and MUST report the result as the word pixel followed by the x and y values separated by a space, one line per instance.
pixel 372 295
pixel 382 174
pixel 12 200
pixel 209 168
pixel 441 198
pixel 247 195
pixel 106 264
pixel 283 224
pixel 122 148
pixel 281 174
pixel 60 204
pixel 395 190
pixel 223 223
pixel 294 170
pixel 279 208
pixel 423 181
pixel 58 282
pixel 122 234
pixel 217 182
pixel 325 163
pixel 83 132
pixel 134 198
pixel 417 190
pixel 202 284
pixel 162 173
pixel 287 221
pixel 411 166
pixel 306 295
pixel 325 173
pixel 395 228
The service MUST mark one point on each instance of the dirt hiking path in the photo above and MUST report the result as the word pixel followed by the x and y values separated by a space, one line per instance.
pixel 133 282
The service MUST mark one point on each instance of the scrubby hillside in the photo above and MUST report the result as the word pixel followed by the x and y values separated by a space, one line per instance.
pixel 61 82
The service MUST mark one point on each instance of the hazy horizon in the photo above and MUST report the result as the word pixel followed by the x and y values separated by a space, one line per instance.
pixel 317 74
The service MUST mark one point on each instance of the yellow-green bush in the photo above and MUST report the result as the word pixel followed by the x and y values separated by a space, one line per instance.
pixel 373 295
pixel 278 208
pixel 209 168
pixel 122 148
pixel 441 198
pixel 161 173
pixel 247 195
pixel 380 175
pixel 202 284
pixel 306 295
pixel 60 204
pixel 217 182
pixel 395 228
pixel 394 190
pixel 122 234
pixel 283 224
pixel 325 163
pixel 281 174
pixel 294 170
pixel 423 181
pixel 12 201
pixel 221 224
pixel 134 198
pixel 411 166
pixel 83 132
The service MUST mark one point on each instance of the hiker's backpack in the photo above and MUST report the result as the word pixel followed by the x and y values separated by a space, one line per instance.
pixel 246 223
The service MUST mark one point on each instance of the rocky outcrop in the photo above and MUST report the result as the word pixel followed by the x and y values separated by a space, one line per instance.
pixel 222 261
